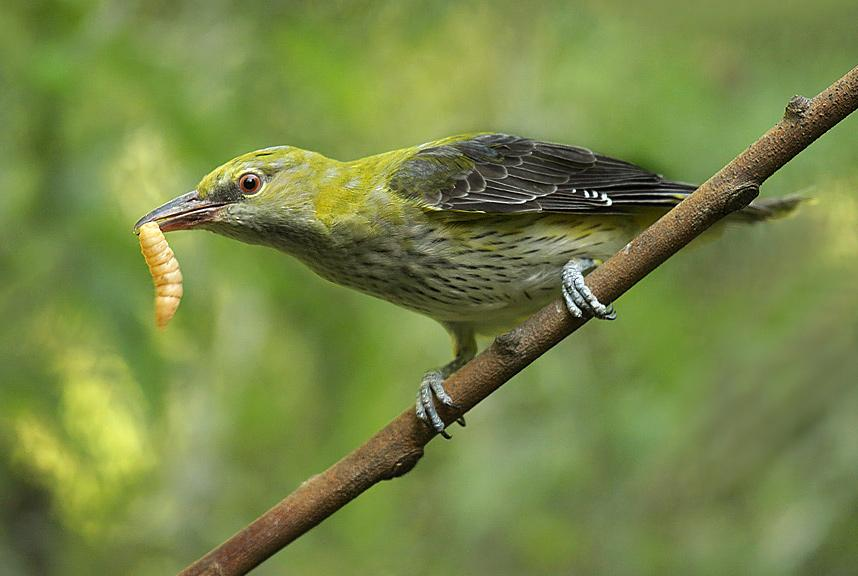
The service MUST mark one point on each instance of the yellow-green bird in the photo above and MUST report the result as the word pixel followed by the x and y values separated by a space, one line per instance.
pixel 476 231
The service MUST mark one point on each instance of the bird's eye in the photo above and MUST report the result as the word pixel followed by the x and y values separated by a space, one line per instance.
pixel 249 183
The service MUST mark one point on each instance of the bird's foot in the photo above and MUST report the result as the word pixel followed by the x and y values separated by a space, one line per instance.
pixel 580 301
pixel 432 387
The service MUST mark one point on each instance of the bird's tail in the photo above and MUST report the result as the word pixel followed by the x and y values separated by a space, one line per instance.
pixel 769 208
pixel 670 194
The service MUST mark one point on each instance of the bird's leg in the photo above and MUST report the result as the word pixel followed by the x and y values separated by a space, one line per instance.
pixel 465 347
pixel 580 301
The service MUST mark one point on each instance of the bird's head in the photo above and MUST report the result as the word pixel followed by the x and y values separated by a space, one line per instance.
pixel 251 198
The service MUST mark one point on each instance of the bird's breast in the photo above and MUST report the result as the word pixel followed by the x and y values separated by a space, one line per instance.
pixel 478 270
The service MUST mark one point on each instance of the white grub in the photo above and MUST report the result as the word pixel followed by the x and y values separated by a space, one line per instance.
pixel 165 272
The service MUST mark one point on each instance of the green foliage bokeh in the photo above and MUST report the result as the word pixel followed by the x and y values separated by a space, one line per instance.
pixel 710 430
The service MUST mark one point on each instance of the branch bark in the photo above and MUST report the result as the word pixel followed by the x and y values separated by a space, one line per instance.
pixel 396 448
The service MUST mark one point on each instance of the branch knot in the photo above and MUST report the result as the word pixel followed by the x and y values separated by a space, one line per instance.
pixel 507 344
pixel 742 195
pixel 404 464
pixel 797 107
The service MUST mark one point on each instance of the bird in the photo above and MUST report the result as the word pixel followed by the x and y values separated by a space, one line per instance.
pixel 475 231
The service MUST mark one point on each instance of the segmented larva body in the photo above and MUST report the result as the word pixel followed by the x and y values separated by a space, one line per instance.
pixel 165 272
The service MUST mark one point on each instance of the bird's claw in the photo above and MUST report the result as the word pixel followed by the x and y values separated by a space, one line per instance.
pixel 432 387
pixel 580 301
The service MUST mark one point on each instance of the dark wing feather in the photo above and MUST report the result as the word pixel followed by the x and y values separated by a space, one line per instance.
pixel 503 173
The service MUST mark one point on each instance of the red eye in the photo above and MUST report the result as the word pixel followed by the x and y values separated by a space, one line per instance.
pixel 250 183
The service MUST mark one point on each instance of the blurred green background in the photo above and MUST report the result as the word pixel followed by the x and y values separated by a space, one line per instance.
pixel 711 430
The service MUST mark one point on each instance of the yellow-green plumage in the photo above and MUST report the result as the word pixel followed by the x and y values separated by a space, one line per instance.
pixel 344 220
pixel 472 231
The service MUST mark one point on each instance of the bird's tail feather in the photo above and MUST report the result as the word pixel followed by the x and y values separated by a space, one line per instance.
pixel 769 208
pixel 670 194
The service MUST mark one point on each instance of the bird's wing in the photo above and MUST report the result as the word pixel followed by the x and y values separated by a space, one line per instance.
pixel 501 173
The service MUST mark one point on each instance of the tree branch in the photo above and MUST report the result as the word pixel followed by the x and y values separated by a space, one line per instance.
pixel 396 448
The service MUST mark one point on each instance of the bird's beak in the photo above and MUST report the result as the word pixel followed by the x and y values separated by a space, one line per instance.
pixel 182 213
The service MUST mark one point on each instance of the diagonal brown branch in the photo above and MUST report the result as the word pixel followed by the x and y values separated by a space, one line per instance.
pixel 396 448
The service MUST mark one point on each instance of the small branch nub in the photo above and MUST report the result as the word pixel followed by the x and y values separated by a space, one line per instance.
pixel 507 344
pixel 797 107
pixel 404 464
pixel 742 195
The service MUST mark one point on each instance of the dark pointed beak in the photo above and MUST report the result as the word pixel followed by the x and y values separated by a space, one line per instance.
pixel 182 213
